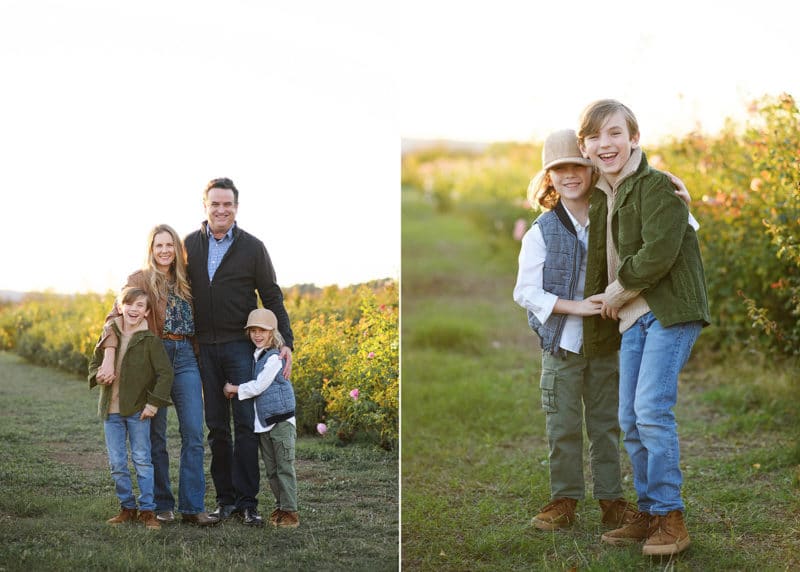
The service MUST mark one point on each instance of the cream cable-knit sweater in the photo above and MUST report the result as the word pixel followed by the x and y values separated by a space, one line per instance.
pixel 632 305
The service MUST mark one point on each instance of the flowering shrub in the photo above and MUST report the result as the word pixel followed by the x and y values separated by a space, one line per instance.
pixel 362 397
pixel 61 331
pixel 745 182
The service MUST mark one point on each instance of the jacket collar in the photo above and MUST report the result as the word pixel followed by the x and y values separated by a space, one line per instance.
pixel 630 167
pixel 143 327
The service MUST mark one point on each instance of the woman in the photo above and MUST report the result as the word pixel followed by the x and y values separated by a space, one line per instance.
pixel 172 319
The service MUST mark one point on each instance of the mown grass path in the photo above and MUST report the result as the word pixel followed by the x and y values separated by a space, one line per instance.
pixel 474 451
pixel 57 493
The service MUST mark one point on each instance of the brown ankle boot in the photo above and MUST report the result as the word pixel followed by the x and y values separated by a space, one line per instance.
pixel 125 515
pixel 148 517
pixel 288 519
pixel 635 531
pixel 668 535
pixel 617 512
pixel 560 513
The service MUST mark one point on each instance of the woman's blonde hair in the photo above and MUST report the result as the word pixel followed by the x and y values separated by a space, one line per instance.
pixel 158 282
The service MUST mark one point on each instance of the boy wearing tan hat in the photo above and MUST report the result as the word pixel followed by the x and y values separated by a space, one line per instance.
pixel 275 421
pixel 579 381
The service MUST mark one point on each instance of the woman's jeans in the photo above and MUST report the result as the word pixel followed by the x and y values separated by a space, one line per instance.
pixel 118 431
pixel 651 357
pixel 187 396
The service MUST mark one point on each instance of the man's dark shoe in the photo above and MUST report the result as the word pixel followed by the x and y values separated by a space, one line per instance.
pixel 199 519
pixel 223 512
pixel 165 517
pixel 251 518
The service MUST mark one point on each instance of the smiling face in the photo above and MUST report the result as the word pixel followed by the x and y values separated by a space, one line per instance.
pixel 260 337
pixel 571 181
pixel 221 207
pixel 163 250
pixel 610 147
pixel 134 311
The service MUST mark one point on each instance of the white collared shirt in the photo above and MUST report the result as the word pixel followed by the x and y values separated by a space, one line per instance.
pixel 529 292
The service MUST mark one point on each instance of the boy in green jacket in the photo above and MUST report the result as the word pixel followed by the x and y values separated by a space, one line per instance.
pixel 141 385
pixel 656 288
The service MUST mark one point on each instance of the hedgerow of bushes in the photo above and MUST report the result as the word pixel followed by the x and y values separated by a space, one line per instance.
pixel 745 182
pixel 345 339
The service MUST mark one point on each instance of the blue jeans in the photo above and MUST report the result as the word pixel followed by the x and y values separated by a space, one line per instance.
pixel 650 359
pixel 118 431
pixel 234 463
pixel 187 396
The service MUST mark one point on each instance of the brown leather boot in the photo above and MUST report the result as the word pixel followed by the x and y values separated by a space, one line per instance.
pixel 617 512
pixel 125 515
pixel 275 516
pixel 635 531
pixel 668 535
pixel 560 513
pixel 288 519
pixel 148 517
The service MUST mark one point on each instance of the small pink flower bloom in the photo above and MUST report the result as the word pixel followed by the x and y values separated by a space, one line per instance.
pixel 322 428
pixel 354 393
pixel 371 355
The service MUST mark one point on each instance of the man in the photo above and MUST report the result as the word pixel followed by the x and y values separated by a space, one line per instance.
pixel 226 267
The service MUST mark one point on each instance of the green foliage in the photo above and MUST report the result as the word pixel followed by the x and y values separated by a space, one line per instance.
pixel 746 184
pixel 334 329
pixel 474 454
pixel 362 397
pixel 58 493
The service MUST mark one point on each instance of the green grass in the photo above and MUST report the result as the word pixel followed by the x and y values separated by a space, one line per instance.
pixel 474 452
pixel 57 493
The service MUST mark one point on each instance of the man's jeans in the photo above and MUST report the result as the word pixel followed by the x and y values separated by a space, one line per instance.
pixel 187 396
pixel 576 389
pixel 651 357
pixel 118 430
pixel 234 464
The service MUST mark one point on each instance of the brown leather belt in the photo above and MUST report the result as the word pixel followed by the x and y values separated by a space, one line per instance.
pixel 175 337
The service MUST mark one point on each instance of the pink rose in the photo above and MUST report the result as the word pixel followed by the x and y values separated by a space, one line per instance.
pixel 354 393
pixel 322 428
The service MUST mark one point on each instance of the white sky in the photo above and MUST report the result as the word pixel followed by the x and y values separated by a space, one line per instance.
pixel 114 115
pixel 517 70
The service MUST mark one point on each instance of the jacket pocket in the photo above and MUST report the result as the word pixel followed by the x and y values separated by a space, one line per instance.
pixel 548 386
pixel 630 229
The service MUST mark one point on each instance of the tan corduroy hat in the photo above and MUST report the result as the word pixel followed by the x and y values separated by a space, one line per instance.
pixel 561 148
pixel 262 318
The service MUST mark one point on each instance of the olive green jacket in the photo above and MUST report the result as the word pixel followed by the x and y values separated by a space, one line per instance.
pixel 658 251
pixel 145 375
pixel 600 336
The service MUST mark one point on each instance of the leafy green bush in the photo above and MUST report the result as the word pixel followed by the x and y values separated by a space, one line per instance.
pixel 746 184
pixel 334 329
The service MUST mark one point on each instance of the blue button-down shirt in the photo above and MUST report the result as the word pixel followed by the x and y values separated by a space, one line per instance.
pixel 217 250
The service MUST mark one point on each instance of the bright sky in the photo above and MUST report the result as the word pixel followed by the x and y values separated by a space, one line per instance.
pixel 517 70
pixel 114 115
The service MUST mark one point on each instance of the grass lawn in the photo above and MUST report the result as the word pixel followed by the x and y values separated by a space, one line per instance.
pixel 57 493
pixel 474 453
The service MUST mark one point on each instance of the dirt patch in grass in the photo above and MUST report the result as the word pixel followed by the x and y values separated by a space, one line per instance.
pixel 86 460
